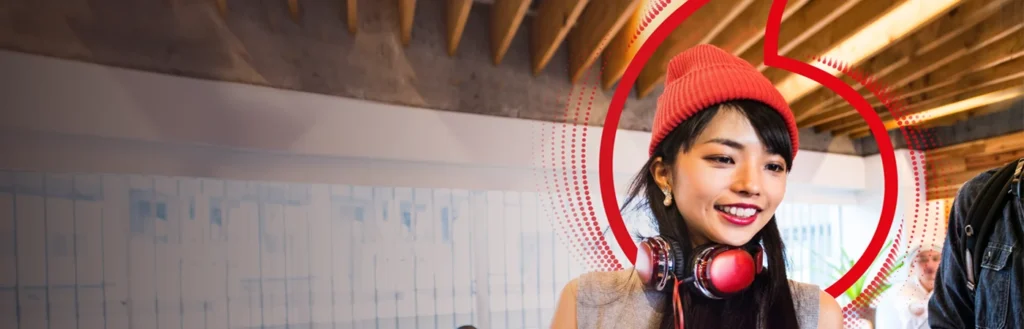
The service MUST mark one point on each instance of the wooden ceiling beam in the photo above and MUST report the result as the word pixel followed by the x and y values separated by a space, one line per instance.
pixel 887 25
pixel 953 119
pixel 998 77
pixel 963 102
pixel 948 168
pixel 222 7
pixel 506 16
pixel 957 29
pixel 703 25
pixel 406 14
pixel 622 48
pixel 553 21
pixel 594 31
pixel 999 59
pixel 293 9
pixel 747 29
pixel 994 144
pixel 455 22
pixel 352 16
pixel 809 21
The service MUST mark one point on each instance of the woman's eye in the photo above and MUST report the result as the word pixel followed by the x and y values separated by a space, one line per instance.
pixel 720 159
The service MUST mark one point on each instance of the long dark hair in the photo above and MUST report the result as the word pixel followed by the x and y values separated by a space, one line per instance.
pixel 768 303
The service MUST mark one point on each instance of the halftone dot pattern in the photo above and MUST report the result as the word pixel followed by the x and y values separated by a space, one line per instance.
pixel 571 222
pixel 917 139
pixel 564 171
pixel 567 180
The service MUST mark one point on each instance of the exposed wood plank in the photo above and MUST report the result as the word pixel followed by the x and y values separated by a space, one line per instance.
pixel 506 16
pixel 455 22
pixel 807 22
pixel 997 144
pixel 406 13
pixel 955 93
pixel 957 54
pixel 962 73
pixel 222 7
pixel 293 9
pixel 748 28
pixel 792 7
pixel 962 100
pixel 705 24
pixel 953 119
pixel 596 27
pixel 892 24
pixel 953 33
pixel 553 21
pixel 352 16
pixel 622 48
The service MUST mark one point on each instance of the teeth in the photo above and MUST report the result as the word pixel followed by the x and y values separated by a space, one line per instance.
pixel 739 212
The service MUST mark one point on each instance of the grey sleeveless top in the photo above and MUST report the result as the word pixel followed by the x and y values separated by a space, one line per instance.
pixel 603 303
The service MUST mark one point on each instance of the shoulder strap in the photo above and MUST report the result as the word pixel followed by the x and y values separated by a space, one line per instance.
pixel 984 210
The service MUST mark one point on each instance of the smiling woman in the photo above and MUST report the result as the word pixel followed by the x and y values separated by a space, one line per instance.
pixel 722 146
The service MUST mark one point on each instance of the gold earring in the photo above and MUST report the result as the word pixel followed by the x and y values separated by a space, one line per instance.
pixel 668 197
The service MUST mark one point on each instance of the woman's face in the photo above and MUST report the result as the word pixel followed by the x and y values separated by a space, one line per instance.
pixel 727 186
pixel 928 263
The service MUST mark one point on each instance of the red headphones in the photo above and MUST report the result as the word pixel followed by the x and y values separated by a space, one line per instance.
pixel 716 271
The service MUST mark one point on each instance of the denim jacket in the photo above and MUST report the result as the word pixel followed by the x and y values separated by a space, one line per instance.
pixel 998 299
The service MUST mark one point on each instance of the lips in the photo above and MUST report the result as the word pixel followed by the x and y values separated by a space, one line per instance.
pixel 739 214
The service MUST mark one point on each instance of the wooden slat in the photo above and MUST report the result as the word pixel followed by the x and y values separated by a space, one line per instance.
pixel 506 16
pixel 596 27
pixel 554 20
pixel 947 81
pixel 971 60
pixel 808 21
pixel 406 14
pixel 293 9
pixel 705 23
pixel 622 48
pixel 222 7
pixel 1011 89
pixel 941 41
pixel 748 28
pixel 455 22
pixel 998 144
pixel 352 16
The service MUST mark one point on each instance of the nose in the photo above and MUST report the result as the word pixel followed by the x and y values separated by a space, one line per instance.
pixel 747 179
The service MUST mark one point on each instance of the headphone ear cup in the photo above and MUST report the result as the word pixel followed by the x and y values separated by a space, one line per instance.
pixel 723 271
pixel 646 262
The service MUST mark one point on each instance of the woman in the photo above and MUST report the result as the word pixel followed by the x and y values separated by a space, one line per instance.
pixel 906 306
pixel 722 145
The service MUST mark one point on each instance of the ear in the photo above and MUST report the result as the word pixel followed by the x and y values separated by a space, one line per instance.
pixel 662 174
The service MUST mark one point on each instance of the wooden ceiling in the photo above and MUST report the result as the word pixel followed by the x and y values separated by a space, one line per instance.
pixel 948 168
pixel 958 57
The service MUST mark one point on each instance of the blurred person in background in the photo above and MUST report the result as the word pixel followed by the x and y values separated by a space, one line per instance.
pixel 906 304
pixel 722 146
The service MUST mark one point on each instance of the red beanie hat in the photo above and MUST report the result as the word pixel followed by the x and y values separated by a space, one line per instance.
pixel 706 75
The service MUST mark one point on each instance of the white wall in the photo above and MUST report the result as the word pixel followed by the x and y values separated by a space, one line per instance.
pixel 227 130
pixel 65 116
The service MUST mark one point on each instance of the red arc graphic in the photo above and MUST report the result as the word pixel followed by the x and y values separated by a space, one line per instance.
pixel 772 59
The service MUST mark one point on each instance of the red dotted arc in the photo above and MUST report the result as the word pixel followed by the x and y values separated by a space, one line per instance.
pixel 917 139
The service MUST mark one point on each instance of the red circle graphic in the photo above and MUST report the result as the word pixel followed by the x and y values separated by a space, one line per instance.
pixel 772 59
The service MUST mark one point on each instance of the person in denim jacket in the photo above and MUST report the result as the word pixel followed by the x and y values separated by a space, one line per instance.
pixel 997 301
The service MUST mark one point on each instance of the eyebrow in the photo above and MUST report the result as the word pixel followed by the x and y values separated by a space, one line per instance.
pixel 727 142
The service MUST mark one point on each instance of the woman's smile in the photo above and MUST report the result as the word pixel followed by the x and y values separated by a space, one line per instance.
pixel 741 214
